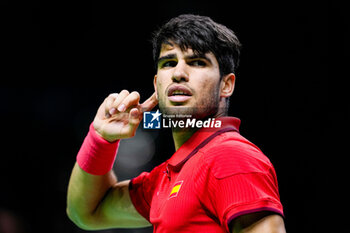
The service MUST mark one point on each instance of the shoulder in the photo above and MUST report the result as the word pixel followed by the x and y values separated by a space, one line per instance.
pixel 230 154
pixel 149 177
pixel 157 171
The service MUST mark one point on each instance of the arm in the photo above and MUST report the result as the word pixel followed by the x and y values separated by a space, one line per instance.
pixel 100 201
pixel 260 222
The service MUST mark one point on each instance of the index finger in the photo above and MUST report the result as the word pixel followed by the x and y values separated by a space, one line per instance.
pixel 150 103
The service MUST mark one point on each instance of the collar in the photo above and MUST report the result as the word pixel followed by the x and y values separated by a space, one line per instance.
pixel 199 139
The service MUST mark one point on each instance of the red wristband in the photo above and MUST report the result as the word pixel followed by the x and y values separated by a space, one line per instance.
pixel 96 156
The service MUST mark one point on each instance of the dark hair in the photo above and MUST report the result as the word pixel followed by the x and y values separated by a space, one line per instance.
pixel 202 35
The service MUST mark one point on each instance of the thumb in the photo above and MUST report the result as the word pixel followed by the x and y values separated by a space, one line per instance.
pixel 150 103
pixel 135 116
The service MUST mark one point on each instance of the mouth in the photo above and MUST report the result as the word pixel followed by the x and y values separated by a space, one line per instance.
pixel 179 93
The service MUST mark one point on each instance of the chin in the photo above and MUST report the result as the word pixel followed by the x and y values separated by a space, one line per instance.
pixel 177 110
pixel 181 112
pixel 189 109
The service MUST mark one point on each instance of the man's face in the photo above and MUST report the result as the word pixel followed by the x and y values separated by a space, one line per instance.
pixel 187 83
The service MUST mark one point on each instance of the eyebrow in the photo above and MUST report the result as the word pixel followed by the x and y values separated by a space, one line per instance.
pixel 188 57
pixel 200 56
pixel 166 57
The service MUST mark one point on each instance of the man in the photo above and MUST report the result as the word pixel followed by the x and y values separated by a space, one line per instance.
pixel 216 181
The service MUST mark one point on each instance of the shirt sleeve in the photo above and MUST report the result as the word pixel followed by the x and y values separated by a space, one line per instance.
pixel 140 195
pixel 240 181
pixel 141 190
pixel 244 194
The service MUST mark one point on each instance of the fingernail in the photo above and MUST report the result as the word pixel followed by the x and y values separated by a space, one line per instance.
pixel 121 108
pixel 134 114
pixel 112 111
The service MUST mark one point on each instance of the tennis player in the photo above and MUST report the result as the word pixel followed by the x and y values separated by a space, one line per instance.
pixel 216 181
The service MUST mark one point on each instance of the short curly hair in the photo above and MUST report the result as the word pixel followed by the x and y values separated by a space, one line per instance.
pixel 202 35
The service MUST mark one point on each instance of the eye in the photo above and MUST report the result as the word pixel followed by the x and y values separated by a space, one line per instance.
pixel 199 63
pixel 169 63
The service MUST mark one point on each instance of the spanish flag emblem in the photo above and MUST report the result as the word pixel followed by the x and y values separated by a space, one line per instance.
pixel 176 189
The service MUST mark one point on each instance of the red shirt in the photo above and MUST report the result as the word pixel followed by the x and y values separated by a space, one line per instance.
pixel 216 176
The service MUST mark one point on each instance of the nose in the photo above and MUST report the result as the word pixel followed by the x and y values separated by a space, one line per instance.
pixel 180 72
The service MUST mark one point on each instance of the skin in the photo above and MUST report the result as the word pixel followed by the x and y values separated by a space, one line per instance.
pixel 200 74
pixel 101 202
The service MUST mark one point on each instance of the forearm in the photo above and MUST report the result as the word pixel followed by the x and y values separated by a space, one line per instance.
pixel 95 200
pixel 85 193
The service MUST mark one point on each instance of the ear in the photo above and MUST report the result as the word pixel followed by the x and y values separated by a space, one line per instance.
pixel 227 85
pixel 155 85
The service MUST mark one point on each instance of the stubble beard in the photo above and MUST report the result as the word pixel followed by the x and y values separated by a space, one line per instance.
pixel 204 108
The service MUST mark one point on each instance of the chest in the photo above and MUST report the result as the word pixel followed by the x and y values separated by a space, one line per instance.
pixel 176 206
pixel 174 198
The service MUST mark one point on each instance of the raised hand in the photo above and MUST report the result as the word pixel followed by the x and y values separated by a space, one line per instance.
pixel 120 114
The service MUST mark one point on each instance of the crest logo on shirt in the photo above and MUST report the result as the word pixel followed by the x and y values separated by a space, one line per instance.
pixel 176 189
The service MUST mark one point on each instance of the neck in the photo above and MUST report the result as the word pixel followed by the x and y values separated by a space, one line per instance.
pixel 181 135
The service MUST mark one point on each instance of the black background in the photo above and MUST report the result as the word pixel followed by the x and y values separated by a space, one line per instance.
pixel 60 59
